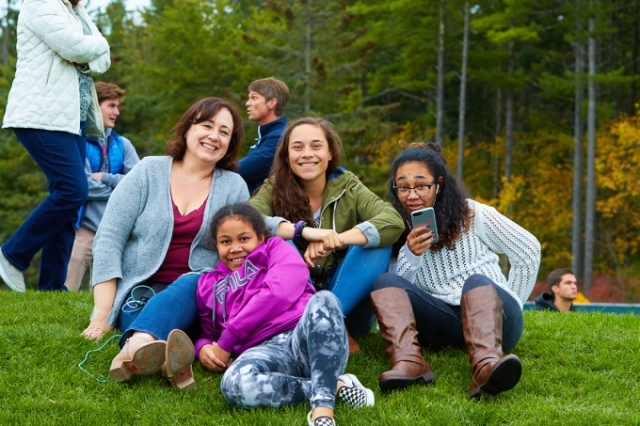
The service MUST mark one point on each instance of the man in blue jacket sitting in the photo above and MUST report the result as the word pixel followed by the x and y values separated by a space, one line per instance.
pixel 108 160
pixel 265 106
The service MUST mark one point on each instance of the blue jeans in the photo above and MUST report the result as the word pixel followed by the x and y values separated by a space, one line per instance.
pixel 439 324
pixel 50 226
pixel 354 280
pixel 175 307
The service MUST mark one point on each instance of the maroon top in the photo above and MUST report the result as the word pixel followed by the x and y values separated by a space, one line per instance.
pixel 176 261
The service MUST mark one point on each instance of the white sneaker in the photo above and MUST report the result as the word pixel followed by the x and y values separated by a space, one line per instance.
pixel 10 275
pixel 354 393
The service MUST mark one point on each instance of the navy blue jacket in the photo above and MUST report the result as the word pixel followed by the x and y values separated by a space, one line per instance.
pixel 254 168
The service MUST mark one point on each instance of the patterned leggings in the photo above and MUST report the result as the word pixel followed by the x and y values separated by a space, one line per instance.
pixel 294 366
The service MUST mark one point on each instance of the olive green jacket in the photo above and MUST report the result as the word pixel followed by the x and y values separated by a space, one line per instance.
pixel 346 204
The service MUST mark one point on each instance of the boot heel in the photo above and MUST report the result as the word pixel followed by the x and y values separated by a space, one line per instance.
pixel 183 379
pixel 120 372
pixel 179 358
pixel 428 377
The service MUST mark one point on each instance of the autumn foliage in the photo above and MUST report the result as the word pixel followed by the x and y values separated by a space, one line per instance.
pixel 538 196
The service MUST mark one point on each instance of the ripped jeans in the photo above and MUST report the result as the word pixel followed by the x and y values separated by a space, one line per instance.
pixel 294 366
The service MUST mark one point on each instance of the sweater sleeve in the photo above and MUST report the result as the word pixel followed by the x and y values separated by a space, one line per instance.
pixel 52 23
pixel 407 264
pixel 120 216
pixel 381 223
pixel 98 190
pixel 502 235
pixel 285 282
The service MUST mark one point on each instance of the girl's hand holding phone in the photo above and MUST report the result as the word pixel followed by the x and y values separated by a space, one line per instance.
pixel 419 240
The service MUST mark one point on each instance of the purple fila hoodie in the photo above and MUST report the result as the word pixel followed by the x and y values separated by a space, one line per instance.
pixel 266 296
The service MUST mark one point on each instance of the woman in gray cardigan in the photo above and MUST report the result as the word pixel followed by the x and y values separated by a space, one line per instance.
pixel 156 229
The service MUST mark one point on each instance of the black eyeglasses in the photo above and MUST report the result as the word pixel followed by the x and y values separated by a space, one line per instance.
pixel 420 189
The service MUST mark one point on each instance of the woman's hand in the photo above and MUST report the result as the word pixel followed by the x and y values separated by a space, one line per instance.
pixel 315 250
pixel 96 328
pixel 214 358
pixel 104 294
pixel 329 238
pixel 419 240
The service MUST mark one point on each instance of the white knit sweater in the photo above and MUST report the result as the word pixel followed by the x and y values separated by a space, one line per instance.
pixel 443 273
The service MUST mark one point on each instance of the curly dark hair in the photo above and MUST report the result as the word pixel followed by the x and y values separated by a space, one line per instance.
pixel 201 111
pixel 288 197
pixel 246 213
pixel 453 214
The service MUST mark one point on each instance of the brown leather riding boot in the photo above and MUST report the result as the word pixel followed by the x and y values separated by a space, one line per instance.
pixel 398 329
pixel 481 311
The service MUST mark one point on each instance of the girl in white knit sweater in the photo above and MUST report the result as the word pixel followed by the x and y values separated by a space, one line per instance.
pixel 452 292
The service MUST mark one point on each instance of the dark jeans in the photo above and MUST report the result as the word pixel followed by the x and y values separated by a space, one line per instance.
pixel 175 307
pixel 439 324
pixel 50 226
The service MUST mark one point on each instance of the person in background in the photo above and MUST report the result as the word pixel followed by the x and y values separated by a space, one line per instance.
pixel 563 290
pixel 52 106
pixel 265 106
pixel 452 292
pixel 108 160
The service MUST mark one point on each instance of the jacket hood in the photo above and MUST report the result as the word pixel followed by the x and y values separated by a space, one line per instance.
pixel 545 301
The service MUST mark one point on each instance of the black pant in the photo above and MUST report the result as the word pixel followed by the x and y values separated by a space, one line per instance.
pixel 439 324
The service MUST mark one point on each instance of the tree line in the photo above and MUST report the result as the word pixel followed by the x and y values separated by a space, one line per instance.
pixel 534 102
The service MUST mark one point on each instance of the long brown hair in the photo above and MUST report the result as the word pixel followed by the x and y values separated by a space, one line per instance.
pixel 201 111
pixel 288 196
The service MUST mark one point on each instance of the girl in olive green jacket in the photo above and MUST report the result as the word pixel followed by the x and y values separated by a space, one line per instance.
pixel 343 230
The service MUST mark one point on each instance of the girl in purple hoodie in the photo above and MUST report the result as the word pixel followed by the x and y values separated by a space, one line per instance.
pixel 289 342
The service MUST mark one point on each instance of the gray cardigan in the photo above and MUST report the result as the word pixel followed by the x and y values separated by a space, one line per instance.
pixel 135 232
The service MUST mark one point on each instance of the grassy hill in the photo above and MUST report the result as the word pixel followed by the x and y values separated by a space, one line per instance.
pixel 578 369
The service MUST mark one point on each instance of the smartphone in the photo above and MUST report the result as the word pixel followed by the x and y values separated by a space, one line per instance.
pixel 426 217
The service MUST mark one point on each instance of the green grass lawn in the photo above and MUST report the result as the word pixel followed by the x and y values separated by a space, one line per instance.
pixel 578 369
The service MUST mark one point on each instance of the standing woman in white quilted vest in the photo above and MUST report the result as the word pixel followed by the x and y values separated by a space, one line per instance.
pixel 452 292
pixel 52 106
